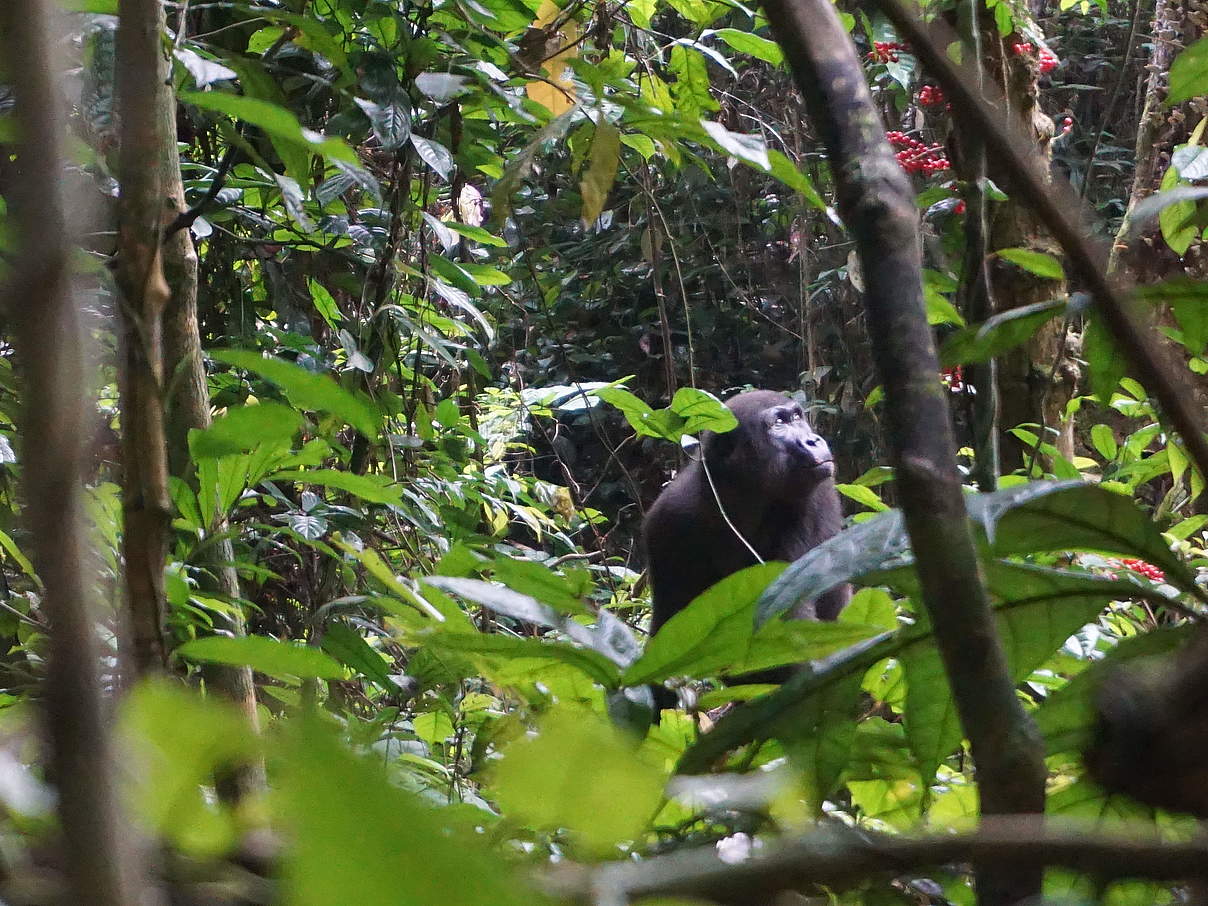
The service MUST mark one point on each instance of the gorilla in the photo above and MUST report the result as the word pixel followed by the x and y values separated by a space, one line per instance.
pixel 774 478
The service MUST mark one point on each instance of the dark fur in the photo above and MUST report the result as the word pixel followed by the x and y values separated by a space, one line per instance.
pixel 777 491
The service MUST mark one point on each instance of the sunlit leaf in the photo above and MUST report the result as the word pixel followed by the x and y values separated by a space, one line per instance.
pixel 245 428
pixel 305 388
pixel 261 653
pixel 542 780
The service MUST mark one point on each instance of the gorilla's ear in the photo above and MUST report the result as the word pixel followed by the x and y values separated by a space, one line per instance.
pixel 719 447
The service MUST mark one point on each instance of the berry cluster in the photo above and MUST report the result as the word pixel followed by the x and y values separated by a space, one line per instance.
pixel 886 51
pixel 1067 125
pixel 959 207
pixel 1148 570
pixel 952 377
pixel 931 96
pixel 917 157
pixel 1045 59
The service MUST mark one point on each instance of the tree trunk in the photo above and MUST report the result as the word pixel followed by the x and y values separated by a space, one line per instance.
pixel 188 408
pixel 146 505
pixel 99 858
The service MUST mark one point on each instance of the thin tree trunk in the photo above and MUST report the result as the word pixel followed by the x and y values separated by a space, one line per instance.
pixel 188 408
pixel 100 862
pixel 1153 117
pixel 146 506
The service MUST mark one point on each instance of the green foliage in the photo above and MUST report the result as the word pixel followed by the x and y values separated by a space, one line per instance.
pixel 425 474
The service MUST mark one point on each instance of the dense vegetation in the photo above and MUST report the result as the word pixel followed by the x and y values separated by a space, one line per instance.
pixel 441 293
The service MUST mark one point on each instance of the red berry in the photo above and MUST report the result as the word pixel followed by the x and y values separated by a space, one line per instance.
pixel 959 207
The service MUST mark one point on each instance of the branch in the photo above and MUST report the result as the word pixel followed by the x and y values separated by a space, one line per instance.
pixel 876 202
pixel 1062 212
pixel 100 863
pixel 838 856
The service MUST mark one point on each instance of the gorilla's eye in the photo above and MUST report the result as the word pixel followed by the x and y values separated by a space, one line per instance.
pixel 798 415
pixel 782 417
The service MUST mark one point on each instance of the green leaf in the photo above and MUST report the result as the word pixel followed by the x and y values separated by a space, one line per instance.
pixel 542 782
pixel 538 580
pixel 862 495
pixel 1061 516
pixel 1104 363
pixel 347 647
pixel 306 389
pixel 375 489
pixel 244 428
pixel 434 154
pixel 324 303
pixel 1177 221
pixel 274 120
pixel 643 419
pixel 1189 73
pixel 1037 609
pixel 939 309
pixel 691 89
pixel 393 848
pixel 711 634
pixel 999 334
pixel 753 45
pixel 1038 263
pixel 179 740
pixel 601 170
pixel 702 411
pixel 790 174
pixel 1104 441
pixel 10 547
pixel 280 659
pixel 391 121
pixel 516 605
pixel 1188 301
pixel 478 234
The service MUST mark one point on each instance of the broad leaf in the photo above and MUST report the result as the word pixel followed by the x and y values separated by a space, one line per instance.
pixel 244 428
pixel 282 659
pixel 305 388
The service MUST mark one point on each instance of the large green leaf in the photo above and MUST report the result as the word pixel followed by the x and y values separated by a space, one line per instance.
pixel 305 388
pixel 1060 516
pixel 1189 73
pixel 1036 610
pixel 394 850
pixel 601 170
pixel 710 634
pixel 264 654
pixel 244 428
pixel 273 119
pixel 578 773
pixel 1034 607
pixel 999 334
pixel 173 742
pixel 1031 518
pixel 373 488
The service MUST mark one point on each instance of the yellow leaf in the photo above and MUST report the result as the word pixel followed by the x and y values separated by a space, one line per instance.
pixel 557 95
pixel 601 170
